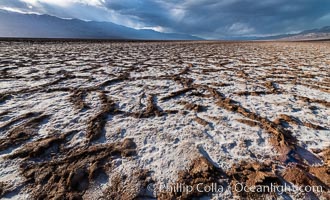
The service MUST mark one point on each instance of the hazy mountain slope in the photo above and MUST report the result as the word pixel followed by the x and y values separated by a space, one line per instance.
pixel 313 34
pixel 45 26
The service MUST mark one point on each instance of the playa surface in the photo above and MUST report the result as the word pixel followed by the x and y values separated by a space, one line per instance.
pixel 120 120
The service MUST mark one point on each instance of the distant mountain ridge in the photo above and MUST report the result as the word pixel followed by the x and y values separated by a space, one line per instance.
pixel 19 25
pixel 313 34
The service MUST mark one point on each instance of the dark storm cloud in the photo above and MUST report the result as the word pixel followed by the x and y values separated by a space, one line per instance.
pixel 232 17
pixel 208 18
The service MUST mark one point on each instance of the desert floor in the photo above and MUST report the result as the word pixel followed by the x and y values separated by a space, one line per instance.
pixel 122 120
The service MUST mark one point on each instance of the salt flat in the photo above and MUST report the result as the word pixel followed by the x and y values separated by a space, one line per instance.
pixel 108 120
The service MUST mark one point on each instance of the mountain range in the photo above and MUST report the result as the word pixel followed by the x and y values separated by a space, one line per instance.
pixel 313 34
pixel 18 25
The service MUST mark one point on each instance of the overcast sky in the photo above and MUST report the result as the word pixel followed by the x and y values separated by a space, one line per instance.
pixel 211 19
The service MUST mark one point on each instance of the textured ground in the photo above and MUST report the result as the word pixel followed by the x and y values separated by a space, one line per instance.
pixel 109 120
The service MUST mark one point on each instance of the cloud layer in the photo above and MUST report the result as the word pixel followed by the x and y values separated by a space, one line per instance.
pixel 207 18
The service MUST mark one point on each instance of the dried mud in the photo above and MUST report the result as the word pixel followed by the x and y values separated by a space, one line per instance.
pixel 84 120
pixel 69 175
